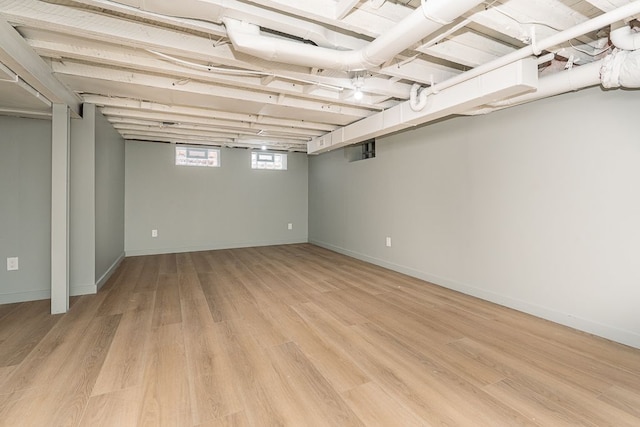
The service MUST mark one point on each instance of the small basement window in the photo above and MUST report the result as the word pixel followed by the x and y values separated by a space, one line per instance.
pixel 369 149
pixel 198 156
pixel 272 161
pixel 362 151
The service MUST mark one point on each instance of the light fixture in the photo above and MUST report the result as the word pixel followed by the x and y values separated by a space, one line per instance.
pixel 358 82
pixel 264 148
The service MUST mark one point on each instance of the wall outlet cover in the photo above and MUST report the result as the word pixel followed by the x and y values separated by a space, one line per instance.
pixel 12 263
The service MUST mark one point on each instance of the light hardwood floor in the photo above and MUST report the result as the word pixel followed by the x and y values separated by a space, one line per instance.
pixel 296 335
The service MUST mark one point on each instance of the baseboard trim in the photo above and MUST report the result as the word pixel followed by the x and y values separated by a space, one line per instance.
pixel 605 331
pixel 25 296
pixel 212 247
pixel 78 290
pixel 103 279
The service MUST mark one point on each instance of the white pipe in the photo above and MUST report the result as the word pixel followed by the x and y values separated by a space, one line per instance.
pixel 593 24
pixel 376 4
pixel 420 23
pixel 619 69
pixel 624 38
pixel 417 102
pixel 555 84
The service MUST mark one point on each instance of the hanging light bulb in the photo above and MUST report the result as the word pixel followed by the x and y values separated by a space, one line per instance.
pixel 358 82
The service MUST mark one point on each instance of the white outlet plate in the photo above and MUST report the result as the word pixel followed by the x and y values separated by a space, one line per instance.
pixel 12 263
pixel 290 226
pixel 154 233
pixel 388 242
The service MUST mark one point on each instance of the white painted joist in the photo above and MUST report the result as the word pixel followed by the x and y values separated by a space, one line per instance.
pixel 563 17
pixel 20 58
pixel 93 26
pixel 275 145
pixel 178 130
pixel 198 88
pixel 240 142
pixel 126 106
pixel 209 126
pixel 122 57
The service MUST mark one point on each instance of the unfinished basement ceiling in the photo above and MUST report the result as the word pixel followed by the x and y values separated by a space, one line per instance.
pixel 167 71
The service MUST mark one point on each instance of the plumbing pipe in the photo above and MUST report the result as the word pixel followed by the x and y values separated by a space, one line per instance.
pixel 621 68
pixel 555 84
pixel 593 24
pixel 376 4
pixel 417 102
pixel 624 38
pixel 618 69
pixel 422 22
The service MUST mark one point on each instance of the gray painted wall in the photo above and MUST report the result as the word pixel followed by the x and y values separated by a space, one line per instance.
pixel 25 208
pixel 109 198
pixel 535 207
pixel 96 205
pixel 196 208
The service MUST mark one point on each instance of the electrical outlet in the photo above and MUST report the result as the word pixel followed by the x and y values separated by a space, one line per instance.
pixel 12 263
pixel 388 242
pixel 290 226
pixel 154 233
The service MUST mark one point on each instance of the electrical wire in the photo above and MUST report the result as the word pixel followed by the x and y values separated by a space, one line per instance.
pixel 606 48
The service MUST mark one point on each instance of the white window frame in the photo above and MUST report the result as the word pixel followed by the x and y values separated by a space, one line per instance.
pixel 186 155
pixel 265 160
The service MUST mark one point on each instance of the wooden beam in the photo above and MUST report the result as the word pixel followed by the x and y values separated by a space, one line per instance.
pixel 20 58
pixel 344 7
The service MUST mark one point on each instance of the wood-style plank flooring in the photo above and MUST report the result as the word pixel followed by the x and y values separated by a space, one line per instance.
pixel 299 336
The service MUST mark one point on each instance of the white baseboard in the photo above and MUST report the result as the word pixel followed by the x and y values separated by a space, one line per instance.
pixel 211 247
pixel 25 296
pixel 605 331
pixel 103 279
pixel 77 290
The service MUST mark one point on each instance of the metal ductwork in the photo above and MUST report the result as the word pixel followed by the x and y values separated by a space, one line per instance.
pixel 425 20
pixel 513 79
pixel 621 68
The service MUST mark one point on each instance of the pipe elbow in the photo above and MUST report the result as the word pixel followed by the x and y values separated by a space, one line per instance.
pixel 624 38
pixel 417 101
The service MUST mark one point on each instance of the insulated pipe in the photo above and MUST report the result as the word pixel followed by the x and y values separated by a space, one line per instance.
pixel 619 69
pixel 555 84
pixel 422 22
pixel 417 102
pixel 594 24
pixel 624 38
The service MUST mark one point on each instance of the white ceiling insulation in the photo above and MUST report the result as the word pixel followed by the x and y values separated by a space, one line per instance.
pixel 168 71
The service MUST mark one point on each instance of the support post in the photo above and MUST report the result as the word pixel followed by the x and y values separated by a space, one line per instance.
pixel 60 141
